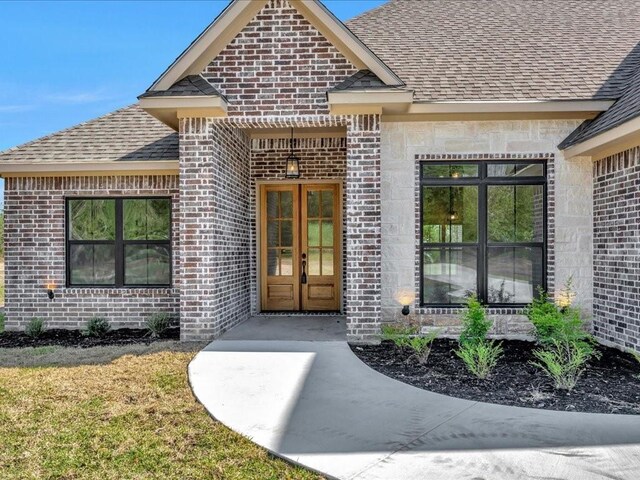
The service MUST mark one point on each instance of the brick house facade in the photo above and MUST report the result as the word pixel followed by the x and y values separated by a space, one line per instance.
pixel 270 79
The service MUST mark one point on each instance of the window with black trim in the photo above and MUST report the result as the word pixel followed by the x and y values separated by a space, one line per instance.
pixel 483 231
pixel 118 242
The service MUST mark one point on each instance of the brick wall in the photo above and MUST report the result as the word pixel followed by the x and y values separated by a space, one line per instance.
pixel 320 159
pixel 278 65
pixel 35 254
pixel 363 229
pixel 214 227
pixel 616 249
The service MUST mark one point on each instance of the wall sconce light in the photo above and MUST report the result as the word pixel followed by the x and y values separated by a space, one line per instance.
pixel 405 298
pixel 293 163
pixel 50 291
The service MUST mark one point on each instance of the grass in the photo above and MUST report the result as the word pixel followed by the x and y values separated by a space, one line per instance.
pixel 117 413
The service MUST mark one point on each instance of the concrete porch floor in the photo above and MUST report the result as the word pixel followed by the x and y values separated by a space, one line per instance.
pixel 293 386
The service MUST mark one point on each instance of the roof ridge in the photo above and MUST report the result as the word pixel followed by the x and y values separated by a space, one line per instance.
pixel 67 129
pixel 367 12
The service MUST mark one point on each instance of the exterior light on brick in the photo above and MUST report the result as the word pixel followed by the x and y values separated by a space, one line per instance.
pixel 293 162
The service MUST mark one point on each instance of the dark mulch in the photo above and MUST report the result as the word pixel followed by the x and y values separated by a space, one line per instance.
pixel 75 338
pixel 609 385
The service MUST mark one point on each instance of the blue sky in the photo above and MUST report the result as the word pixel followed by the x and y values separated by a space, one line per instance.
pixel 67 62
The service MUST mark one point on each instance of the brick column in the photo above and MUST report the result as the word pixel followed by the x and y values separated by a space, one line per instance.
pixel 214 228
pixel 363 253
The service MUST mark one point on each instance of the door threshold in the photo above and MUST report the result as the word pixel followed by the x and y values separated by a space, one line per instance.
pixel 298 314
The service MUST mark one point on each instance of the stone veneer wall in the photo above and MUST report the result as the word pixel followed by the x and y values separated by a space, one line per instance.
pixel 279 64
pixel 320 159
pixel 616 245
pixel 214 227
pixel 569 204
pixel 35 254
pixel 363 232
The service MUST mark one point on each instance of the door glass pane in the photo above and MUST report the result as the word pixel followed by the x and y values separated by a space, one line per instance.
pixel 92 219
pixel 314 261
pixel 272 262
pixel 449 171
pixel 515 213
pixel 273 210
pixel 273 230
pixel 147 265
pixel 514 274
pixel 327 261
pixel 450 214
pixel 313 233
pixel 286 262
pixel 327 233
pixel 313 204
pixel 449 274
pixel 286 204
pixel 327 204
pixel 92 264
pixel 286 233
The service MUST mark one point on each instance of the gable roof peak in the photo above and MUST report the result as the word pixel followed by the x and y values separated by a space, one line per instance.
pixel 239 13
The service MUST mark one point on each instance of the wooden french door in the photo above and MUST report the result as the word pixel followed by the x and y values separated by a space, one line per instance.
pixel 300 247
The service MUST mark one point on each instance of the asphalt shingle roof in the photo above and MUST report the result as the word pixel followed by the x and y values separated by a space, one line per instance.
pixel 474 50
pixel 191 86
pixel 126 134
pixel 361 80
pixel 625 109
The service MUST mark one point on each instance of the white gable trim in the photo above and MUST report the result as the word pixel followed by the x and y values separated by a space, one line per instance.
pixel 238 15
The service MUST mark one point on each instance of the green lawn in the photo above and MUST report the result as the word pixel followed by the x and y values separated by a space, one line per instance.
pixel 131 415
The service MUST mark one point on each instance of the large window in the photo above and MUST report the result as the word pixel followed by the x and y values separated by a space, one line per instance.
pixel 483 231
pixel 119 242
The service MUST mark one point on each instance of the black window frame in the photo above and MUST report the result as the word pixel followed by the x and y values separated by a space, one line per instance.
pixel 119 244
pixel 483 181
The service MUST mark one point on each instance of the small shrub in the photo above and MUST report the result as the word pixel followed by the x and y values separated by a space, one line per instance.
pixel 35 327
pixel 636 355
pixel 97 327
pixel 480 357
pixel 399 333
pixel 421 346
pixel 475 324
pixel 158 323
pixel 3 318
pixel 564 361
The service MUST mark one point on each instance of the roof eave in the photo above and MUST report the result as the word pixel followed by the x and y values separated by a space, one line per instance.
pixel 607 143
pixel 170 109
pixel 66 168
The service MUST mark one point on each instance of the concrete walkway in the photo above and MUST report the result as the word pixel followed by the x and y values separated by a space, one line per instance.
pixel 310 400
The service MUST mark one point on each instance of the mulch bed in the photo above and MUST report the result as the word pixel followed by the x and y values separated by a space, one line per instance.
pixel 608 385
pixel 75 338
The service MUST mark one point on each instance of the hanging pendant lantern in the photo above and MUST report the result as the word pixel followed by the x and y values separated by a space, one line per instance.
pixel 293 163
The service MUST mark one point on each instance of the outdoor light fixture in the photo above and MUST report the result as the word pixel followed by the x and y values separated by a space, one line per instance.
pixel 50 293
pixel 405 298
pixel 293 163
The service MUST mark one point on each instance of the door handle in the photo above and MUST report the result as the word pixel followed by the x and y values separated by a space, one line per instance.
pixel 303 278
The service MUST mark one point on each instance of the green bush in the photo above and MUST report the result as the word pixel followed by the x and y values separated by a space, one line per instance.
pixel 475 324
pixel 564 361
pixel 635 355
pixel 480 357
pixel 421 346
pixel 35 327
pixel 97 327
pixel 399 333
pixel 158 323
pixel 3 318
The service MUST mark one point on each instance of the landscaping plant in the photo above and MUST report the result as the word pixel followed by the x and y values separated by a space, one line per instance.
pixel 636 355
pixel 3 317
pixel 158 323
pixel 480 357
pixel 479 354
pixel 421 346
pixel 399 333
pixel 97 327
pixel 564 361
pixel 35 327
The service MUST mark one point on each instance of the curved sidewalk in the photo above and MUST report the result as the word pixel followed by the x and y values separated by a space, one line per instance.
pixel 315 403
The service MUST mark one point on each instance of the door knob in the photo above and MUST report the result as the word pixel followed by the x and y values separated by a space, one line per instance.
pixel 303 278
